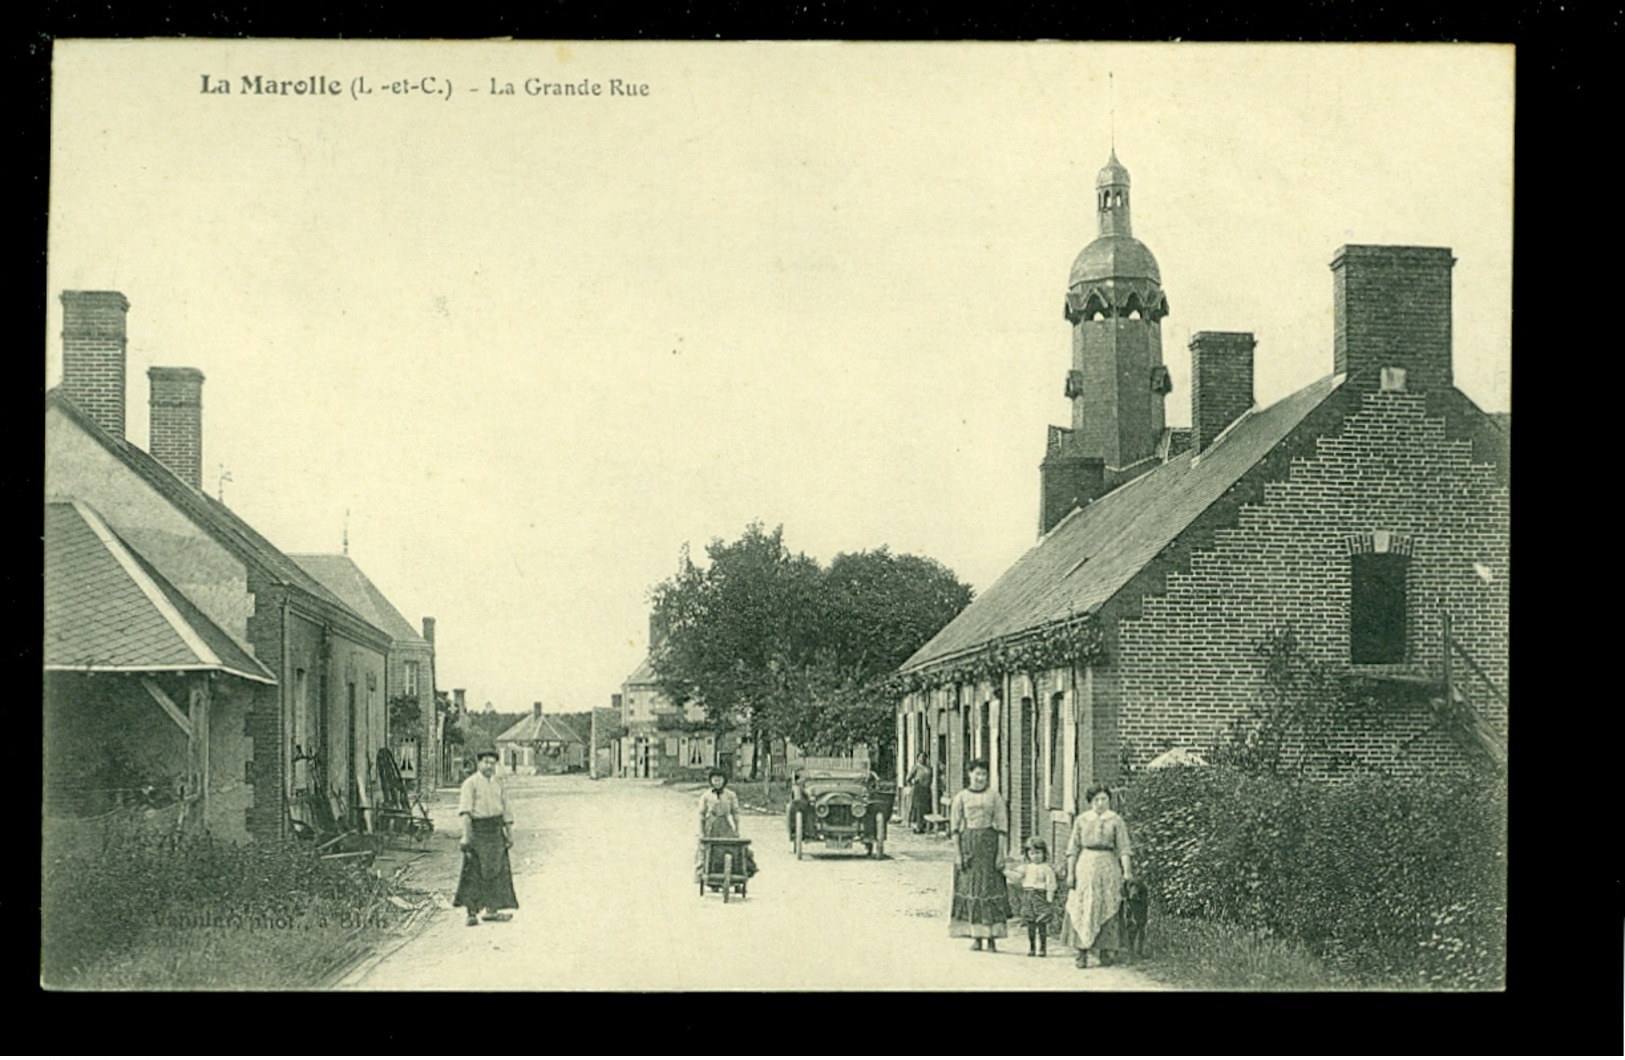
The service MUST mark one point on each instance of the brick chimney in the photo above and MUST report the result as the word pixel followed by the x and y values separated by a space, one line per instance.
pixel 1066 479
pixel 1221 382
pixel 1391 309
pixel 93 341
pixel 428 630
pixel 175 428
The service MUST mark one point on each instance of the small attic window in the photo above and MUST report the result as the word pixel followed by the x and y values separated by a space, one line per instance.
pixel 1393 379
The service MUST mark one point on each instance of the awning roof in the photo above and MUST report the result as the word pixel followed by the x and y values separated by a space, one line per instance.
pixel 108 610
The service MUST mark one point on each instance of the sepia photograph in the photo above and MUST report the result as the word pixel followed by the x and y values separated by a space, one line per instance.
pixel 776 516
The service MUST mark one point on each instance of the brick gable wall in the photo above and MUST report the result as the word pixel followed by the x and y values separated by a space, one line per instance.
pixel 1186 664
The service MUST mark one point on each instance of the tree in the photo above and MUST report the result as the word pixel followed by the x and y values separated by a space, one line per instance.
pixel 732 628
pixel 405 717
pixel 768 638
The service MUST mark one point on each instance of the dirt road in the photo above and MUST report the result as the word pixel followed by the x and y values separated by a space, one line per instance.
pixel 603 872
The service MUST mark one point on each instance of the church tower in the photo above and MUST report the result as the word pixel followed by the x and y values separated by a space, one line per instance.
pixel 1115 304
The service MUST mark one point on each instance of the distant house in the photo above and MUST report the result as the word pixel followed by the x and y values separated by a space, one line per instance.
pixel 409 665
pixel 659 742
pixel 543 743
pixel 604 727
pixel 1368 513
pixel 304 724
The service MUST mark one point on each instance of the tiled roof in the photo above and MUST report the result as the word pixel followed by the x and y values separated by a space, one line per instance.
pixel 108 609
pixel 540 727
pixel 348 583
pixel 214 517
pixel 1093 552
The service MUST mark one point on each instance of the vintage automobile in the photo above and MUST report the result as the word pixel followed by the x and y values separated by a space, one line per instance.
pixel 839 802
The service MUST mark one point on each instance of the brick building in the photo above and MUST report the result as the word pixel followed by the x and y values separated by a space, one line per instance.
pixel 1368 513
pixel 306 721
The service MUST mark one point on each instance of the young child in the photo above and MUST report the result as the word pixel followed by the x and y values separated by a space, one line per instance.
pixel 1037 905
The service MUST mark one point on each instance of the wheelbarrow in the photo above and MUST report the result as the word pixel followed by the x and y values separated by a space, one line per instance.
pixel 725 865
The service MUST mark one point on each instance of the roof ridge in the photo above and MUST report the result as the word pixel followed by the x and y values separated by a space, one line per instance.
pixel 212 516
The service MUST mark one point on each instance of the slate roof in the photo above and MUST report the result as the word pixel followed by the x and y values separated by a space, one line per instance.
pixel 348 583
pixel 534 727
pixel 225 525
pixel 1092 553
pixel 108 610
pixel 644 674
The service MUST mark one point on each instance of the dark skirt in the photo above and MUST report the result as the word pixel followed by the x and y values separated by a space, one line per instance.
pixel 919 804
pixel 981 903
pixel 487 879
pixel 1035 910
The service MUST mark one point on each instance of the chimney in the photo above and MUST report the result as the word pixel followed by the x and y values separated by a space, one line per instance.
pixel 93 341
pixel 428 630
pixel 1066 480
pixel 536 709
pixel 1221 382
pixel 457 697
pixel 175 428
pixel 1391 309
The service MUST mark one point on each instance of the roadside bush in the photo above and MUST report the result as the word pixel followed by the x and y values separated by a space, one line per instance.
pixel 142 887
pixel 1387 881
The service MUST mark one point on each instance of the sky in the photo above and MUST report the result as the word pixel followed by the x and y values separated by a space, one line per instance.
pixel 526 347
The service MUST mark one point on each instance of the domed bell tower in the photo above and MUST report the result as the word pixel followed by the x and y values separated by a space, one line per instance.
pixel 1115 304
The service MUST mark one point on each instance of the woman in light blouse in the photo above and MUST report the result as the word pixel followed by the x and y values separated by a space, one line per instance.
pixel 1098 854
pixel 980 823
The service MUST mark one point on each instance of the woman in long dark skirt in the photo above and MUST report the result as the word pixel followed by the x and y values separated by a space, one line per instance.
pixel 980 823
pixel 919 787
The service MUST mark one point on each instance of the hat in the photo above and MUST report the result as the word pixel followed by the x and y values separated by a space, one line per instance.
pixel 484 750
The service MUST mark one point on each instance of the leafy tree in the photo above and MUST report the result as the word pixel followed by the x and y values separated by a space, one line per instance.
pixel 767 638
pixel 734 627
pixel 405 716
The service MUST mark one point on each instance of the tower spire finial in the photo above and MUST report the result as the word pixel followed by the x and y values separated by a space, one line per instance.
pixel 1111 95
pixel 346 531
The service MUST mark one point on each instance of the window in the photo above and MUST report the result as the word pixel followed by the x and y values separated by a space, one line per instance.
pixel 409 684
pixel 1377 607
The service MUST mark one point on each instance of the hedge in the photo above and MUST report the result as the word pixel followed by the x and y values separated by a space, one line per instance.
pixel 1392 882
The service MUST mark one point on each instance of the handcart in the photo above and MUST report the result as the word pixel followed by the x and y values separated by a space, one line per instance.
pixel 725 865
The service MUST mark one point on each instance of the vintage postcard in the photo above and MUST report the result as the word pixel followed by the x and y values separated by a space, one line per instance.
pixel 776 516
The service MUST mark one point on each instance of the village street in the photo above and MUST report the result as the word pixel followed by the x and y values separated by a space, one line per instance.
pixel 603 872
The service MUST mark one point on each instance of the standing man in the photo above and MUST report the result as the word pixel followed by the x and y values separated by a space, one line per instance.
pixel 487 880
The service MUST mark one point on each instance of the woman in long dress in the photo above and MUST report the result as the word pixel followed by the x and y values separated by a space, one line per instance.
pixel 719 817
pixel 1098 853
pixel 919 786
pixel 980 823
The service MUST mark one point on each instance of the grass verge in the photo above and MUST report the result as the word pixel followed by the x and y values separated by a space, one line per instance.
pixel 1201 955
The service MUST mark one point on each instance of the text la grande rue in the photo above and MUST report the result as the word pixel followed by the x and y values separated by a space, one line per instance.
pixel 321 85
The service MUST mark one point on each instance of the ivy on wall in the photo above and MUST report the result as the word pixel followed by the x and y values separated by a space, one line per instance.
pixel 1073 641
